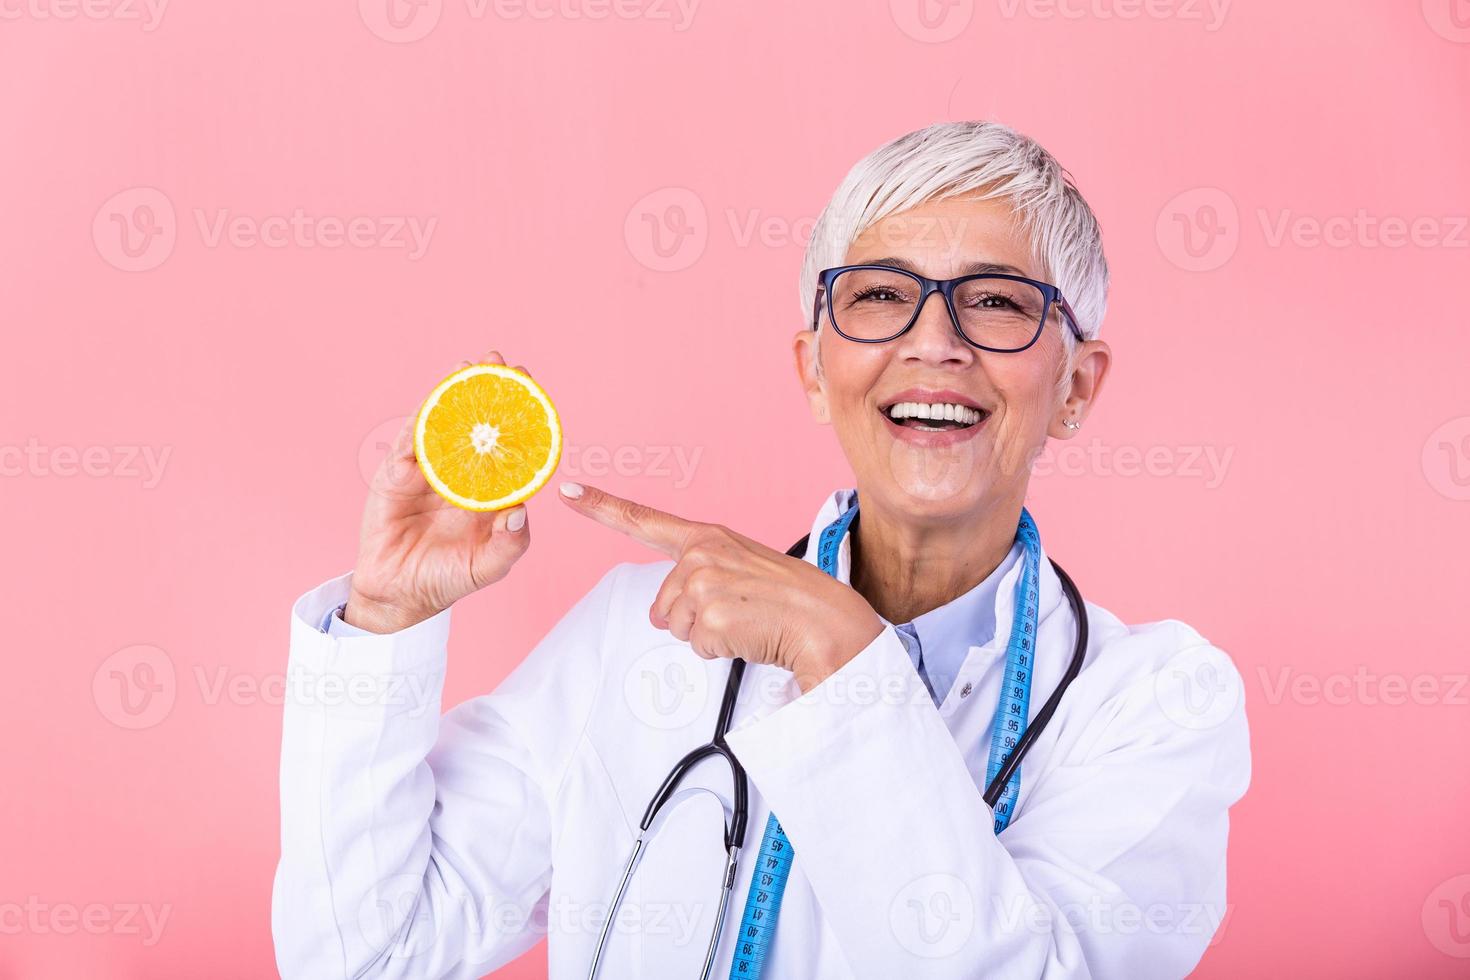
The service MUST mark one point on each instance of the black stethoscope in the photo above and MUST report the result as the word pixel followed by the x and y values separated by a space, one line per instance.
pixel 735 829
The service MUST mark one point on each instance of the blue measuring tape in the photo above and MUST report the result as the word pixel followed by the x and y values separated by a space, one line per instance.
pixel 1014 709
pixel 773 863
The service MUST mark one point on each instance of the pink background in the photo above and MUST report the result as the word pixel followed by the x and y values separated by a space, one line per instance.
pixel 1325 373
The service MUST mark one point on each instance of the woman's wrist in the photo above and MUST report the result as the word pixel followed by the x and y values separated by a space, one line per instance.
pixel 377 616
pixel 830 656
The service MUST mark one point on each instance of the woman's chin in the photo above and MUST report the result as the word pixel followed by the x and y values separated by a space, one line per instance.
pixel 949 475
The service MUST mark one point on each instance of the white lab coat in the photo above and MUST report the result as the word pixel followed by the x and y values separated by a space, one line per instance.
pixel 415 845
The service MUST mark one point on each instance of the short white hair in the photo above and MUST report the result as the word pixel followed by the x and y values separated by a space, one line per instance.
pixel 987 159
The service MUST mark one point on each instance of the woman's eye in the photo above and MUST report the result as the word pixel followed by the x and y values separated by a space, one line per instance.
pixel 880 295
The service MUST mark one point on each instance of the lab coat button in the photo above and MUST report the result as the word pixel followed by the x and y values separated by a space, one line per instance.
pixel 965 691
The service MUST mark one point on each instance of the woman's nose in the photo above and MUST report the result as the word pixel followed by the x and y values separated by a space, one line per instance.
pixel 933 336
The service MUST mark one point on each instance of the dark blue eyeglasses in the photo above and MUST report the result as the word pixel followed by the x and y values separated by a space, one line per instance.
pixel 873 304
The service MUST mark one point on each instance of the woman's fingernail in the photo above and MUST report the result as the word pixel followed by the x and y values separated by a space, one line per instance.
pixel 516 520
pixel 573 490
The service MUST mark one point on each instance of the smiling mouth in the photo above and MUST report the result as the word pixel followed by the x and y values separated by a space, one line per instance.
pixel 934 417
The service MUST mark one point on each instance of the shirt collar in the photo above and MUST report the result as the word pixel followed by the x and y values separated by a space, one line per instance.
pixel 949 623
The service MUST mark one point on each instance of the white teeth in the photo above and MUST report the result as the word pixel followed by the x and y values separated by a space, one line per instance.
pixel 939 410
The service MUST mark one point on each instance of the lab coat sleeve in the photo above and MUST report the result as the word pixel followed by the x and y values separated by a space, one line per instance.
pixel 1113 866
pixel 414 845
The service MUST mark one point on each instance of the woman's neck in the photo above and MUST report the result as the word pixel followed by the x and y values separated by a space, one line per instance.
pixel 904 569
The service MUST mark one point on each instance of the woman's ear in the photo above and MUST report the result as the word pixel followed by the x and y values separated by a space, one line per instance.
pixel 1089 370
pixel 807 349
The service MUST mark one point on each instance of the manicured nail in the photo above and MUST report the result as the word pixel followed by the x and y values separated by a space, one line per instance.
pixel 516 520
pixel 573 490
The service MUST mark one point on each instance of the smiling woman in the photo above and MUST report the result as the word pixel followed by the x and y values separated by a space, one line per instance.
pixel 935 819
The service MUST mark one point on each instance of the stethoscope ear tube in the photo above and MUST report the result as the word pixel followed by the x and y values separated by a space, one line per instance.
pixel 735 832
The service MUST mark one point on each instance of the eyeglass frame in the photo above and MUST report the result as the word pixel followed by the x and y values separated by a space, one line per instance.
pixel 944 287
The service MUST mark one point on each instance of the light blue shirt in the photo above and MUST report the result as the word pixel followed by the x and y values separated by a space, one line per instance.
pixel 939 640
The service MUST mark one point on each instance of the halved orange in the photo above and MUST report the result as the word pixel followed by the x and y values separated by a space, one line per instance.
pixel 487 437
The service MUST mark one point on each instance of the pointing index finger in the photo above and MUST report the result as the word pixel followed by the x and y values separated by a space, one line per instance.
pixel 647 525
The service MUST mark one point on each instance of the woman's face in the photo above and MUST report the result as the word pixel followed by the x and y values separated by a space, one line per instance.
pixel 939 474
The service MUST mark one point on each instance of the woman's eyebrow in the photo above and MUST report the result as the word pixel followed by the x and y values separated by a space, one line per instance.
pixel 969 269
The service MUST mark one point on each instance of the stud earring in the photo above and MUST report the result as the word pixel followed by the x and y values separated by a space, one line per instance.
pixel 1069 423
